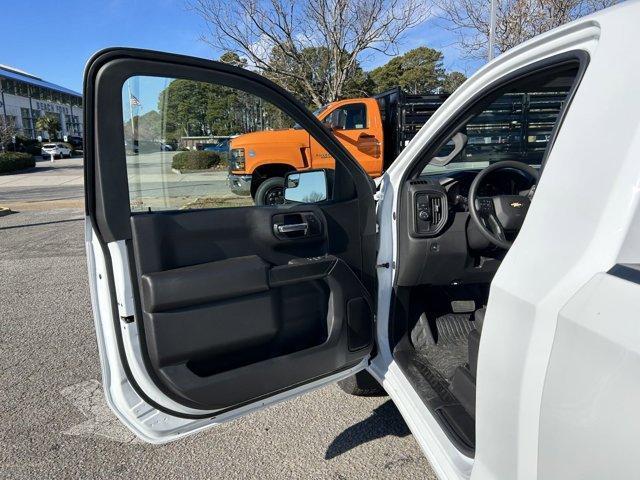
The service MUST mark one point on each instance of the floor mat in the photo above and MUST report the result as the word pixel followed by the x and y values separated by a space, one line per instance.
pixel 454 328
pixel 449 349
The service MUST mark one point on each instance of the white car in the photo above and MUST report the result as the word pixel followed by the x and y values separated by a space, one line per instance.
pixel 58 150
pixel 509 358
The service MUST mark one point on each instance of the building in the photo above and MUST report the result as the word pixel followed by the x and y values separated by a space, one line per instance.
pixel 25 97
pixel 198 142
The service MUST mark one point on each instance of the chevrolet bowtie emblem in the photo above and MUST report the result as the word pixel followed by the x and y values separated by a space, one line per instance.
pixel 516 204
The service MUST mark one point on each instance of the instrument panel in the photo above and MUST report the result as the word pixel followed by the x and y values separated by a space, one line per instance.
pixel 438 243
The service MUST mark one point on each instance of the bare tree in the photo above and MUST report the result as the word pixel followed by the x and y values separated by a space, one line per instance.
pixel 516 20
pixel 315 44
pixel 7 132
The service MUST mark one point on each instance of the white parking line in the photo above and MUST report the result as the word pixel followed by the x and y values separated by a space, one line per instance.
pixel 88 397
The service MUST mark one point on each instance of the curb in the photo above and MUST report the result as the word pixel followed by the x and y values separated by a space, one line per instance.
pixel 203 171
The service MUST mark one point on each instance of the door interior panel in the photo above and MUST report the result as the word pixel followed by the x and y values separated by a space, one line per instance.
pixel 230 308
pixel 234 310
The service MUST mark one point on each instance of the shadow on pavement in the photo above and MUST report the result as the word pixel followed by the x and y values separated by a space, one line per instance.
pixel 41 223
pixel 384 421
pixel 46 165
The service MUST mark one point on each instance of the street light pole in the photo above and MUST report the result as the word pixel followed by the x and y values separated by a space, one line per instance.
pixel 492 30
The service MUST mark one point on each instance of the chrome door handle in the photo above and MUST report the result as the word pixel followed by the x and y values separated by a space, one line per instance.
pixel 293 228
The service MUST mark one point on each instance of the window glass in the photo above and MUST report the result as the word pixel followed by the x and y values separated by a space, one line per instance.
pixel 72 123
pixel 349 117
pixel 515 126
pixel 29 121
pixel 8 86
pixel 22 89
pixel 193 145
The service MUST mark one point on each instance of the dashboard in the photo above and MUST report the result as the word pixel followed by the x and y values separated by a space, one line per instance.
pixel 438 244
pixel 501 182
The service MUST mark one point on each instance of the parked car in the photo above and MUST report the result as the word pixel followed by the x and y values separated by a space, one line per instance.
pixel 494 296
pixel 75 141
pixel 58 150
pixel 222 146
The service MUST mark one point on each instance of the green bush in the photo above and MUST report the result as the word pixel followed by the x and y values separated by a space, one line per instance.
pixel 27 145
pixel 26 141
pixel 12 161
pixel 195 160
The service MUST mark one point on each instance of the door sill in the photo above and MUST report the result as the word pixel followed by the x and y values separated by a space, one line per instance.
pixel 433 390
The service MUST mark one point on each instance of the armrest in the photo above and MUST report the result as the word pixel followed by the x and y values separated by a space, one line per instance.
pixel 204 283
pixel 301 269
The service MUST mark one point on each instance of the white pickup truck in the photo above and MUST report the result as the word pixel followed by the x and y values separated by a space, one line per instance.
pixel 493 292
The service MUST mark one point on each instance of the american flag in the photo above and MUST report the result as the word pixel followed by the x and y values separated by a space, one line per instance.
pixel 134 101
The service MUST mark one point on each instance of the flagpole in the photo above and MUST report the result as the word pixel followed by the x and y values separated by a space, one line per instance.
pixel 133 132
pixel 492 30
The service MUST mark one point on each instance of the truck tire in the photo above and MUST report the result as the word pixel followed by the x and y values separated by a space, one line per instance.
pixel 362 384
pixel 270 192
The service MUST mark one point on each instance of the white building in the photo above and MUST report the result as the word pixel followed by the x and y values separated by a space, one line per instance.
pixel 25 97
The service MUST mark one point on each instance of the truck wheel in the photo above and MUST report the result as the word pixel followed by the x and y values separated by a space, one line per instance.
pixel 270 192
pixel 362 384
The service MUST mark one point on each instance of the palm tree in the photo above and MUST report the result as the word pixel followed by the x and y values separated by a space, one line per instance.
pixel 49 124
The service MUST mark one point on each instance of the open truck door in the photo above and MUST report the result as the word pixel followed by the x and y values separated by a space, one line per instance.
pixel 204 313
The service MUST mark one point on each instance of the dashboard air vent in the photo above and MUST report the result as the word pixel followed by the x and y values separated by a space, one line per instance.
pixel 436 209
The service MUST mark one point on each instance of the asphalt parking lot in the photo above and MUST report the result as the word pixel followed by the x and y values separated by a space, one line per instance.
pixel 53 420
pixel 152 183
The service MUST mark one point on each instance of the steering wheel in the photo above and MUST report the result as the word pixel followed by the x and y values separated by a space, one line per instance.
pixel 499 214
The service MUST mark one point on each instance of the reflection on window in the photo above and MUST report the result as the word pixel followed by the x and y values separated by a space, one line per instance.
pixel 516 126
pixel 183 137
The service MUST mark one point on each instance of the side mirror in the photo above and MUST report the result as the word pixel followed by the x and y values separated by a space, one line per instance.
pixel 309 186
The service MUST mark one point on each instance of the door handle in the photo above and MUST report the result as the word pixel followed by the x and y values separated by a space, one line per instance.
pixel 292 228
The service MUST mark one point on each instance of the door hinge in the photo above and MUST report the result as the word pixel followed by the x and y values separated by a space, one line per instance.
pixel 386 265
pixel 128 319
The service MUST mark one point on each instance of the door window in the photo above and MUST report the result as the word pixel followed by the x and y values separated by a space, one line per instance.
pixel 349 117
pixel 183 139
pixel 517 124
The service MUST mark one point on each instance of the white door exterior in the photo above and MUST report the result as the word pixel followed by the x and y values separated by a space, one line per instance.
pixel 555 364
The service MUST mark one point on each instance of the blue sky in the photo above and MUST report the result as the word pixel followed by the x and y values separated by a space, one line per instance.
pixel 53 40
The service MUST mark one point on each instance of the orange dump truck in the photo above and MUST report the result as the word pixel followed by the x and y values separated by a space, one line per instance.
pixel 374 130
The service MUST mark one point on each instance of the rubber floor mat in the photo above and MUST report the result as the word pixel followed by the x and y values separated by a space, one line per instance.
pixel 454 328
pixel 449 350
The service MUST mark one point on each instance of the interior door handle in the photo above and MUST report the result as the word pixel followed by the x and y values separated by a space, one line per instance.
pixel 292 228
